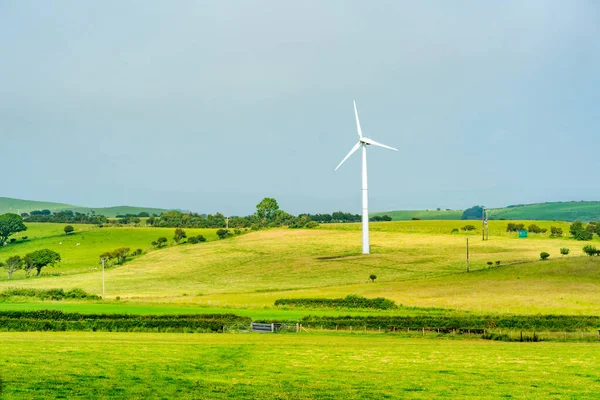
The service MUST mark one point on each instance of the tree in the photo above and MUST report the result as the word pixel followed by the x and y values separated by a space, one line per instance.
pixel 40 259
pixel 161 241
pixel 265 210
pixel 533 228
pixel 583 235
pixel 179 234
pixel 10 224
pixel 69 229
pixel 372 277
pixel 544 255
pixel 555 232
pixel 474 212
pixel 564 251
pixel 467 228
pixel 12 265
pixel 590 250
pixel 120 254
pixel 222 233
pixel 576 227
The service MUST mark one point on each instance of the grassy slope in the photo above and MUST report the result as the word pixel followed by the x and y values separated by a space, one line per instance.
pixel 567 211
pixel 93 242
pixel 563 211
pixel 407 215
pixel 17 205
pixel 417 263
pixel 345 366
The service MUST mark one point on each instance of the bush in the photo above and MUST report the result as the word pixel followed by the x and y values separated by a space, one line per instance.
pixel 192 240
pixel 68 229
pixel 48 294
pixel 564 251
pixel 372 277
pixel 590 250
pixel 533 228
pixel 415 219
pixel 583 235
pixel 455 230
pixel 512 227
pixel 467 228
pixel 222 233
pixel 544 255
pixel 555 232
pixel 497 263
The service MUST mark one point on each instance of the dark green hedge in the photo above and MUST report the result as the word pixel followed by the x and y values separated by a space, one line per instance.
pixel 447 323
pixel 54 320
pixel 48 294
pixel 350 301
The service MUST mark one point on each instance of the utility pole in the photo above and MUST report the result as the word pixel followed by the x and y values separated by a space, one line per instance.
pixel 482 223
pixel 487 227
pixel 103 260
pixel 467 254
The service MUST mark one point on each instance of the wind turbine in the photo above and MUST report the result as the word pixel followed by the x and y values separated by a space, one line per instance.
pixel 364 142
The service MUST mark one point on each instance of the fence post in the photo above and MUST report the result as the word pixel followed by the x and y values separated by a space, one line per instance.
pixel 297 327
pixel 272 328
pixel 423 331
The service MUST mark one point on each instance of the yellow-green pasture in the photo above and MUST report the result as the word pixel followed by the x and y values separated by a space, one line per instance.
pixel 90 365
pixel 414 264
pixel 92 241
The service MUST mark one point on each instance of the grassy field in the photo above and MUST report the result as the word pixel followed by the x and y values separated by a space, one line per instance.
pixel 418 263
pixel 93 242
pixel 559 211
pixel 563 211
pixel 344 366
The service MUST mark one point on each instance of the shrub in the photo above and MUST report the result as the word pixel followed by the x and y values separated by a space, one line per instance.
pixel 497 263
pixel 512 227
pixel 416 219
pixel 489 263
pixel 455 230
pixel 192 240
pixel 372 277
pixel 467 228
pixel 583 235
pixel 201 238
pixel 222 233
pixel 590 250
pixel 564 251
pixel 555 232
pixel 533 228
pixel 68 229
pixel 544 255
pixel 12 240
pixel 24 238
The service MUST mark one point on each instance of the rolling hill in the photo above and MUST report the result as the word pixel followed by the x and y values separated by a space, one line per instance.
pixel 10 205
pixel 584 211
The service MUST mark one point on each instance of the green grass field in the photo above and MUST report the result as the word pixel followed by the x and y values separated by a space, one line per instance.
pixel 418 263
pixel 250 366
pixel 93 242
pixel 559 211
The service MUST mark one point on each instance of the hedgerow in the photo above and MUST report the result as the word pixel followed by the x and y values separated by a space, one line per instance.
pixel 48 294
pixel 458 322
pixel 350 301
pixel 55 320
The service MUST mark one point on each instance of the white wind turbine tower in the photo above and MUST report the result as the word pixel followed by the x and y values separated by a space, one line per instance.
pixel 364 142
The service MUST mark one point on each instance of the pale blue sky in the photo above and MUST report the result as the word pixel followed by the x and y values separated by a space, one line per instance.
pixel 211 106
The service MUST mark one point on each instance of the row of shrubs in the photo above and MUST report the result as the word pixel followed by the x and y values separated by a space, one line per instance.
pixel 350 301
pixel 53 320
pixel 48 294
pixel 459 322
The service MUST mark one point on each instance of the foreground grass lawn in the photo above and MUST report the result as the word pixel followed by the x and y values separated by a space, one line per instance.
pixel 135 365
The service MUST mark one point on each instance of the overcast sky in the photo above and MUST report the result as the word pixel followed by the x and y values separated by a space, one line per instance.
pixel 211 106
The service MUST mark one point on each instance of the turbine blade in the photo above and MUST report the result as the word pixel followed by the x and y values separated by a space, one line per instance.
pixel 374 143
pixel 356 146
pixel 357 122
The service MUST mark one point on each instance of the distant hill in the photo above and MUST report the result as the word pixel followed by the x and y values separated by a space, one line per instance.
pixel 9 205
pixel 584 211
pixel 406 215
